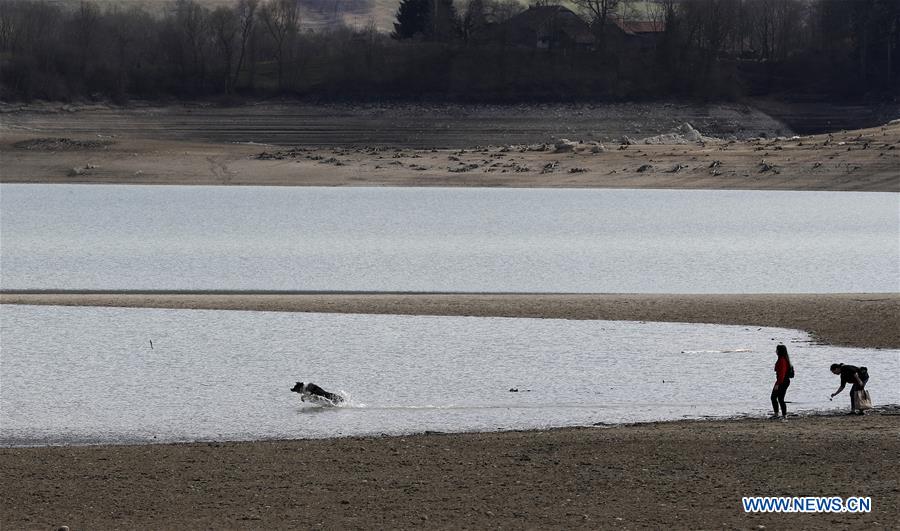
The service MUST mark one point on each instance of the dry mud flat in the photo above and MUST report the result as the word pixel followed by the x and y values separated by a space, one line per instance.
pixel 641 147
pixel 415 126
pixel 689 474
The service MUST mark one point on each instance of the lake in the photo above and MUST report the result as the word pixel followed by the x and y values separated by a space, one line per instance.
pixel 438 239
pixel 89 375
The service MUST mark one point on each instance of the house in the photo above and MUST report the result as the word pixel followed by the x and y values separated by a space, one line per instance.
pixel 640 34
pixel 548 28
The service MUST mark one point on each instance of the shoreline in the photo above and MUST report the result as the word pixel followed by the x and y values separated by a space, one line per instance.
pixel 688 473
pixel 836 411
pixel 865 320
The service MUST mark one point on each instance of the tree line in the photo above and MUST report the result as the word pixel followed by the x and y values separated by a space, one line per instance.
pixel 440 49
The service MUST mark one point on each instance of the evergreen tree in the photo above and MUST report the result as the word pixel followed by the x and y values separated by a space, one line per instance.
pixel 412 18
pixel 435 20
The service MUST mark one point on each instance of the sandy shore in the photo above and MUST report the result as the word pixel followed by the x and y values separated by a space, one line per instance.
pixel 124 147
pixel 860 320
pixel 689 474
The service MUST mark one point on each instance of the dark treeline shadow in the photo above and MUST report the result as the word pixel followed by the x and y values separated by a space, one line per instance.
pixel 479 50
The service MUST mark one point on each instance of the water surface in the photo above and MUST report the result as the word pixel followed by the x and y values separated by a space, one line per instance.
pixel 429 239
pixel 89 375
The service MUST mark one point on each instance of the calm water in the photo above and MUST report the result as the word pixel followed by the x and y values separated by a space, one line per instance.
pixel 426 239
pixel 88 375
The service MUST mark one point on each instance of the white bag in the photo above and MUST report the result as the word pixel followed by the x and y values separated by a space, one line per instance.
pixel 862 399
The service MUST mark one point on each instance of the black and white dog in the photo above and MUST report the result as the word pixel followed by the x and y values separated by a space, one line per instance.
pixel 313 393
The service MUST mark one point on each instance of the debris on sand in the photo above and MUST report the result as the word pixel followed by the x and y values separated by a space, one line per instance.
pixel 677 168
pixel 462 168
pixel 76 171
pixel 597 147
pixel 644 167
pixel 61 144
pixel 564 146
pixel 578 170
pixel 550 167
pixel 533 147
pixel 518 168
pixel 683 134
pixel 766 167
pixel 291 153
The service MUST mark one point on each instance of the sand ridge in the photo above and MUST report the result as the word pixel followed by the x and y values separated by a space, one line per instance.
pixel 853 319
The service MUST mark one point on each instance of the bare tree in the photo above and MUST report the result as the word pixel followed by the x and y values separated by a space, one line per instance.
pixel 473 20
pixel 499 11
pixel 598 12
pixel 224 24
pixel 8 33
pixel 246 12
pixel 233 29
pixel 132 33
pixel 193 30
pixel 282 20
pixel 85 25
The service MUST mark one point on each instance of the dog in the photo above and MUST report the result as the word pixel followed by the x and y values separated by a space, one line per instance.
pixel 313 393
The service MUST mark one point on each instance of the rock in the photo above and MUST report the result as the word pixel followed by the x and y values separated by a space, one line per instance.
pixel 565 146
pixel 689 133
pixel 766 167
pixel 597 147
pixel 644 167
pixel 74 172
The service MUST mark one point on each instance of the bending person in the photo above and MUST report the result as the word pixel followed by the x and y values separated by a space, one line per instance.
pixel 858 376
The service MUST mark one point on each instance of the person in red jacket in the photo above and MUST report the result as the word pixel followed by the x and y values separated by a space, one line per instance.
pixel 782 380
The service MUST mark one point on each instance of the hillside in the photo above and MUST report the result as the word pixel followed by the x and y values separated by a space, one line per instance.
pixel 327 13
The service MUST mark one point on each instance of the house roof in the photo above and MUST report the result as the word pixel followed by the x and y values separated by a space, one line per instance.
pixel 639 27
pixel 541 19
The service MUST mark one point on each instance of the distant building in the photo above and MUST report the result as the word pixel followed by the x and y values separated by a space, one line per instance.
pixel 548 28
pixel 640 34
